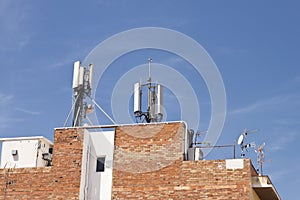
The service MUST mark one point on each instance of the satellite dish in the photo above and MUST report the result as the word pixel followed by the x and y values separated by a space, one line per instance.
pixel 244 135
pixel 241 139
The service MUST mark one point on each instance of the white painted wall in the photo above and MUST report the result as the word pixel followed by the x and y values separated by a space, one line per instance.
pixel 29 150
pixel 26 157
pixel 97 185
pixel 94 178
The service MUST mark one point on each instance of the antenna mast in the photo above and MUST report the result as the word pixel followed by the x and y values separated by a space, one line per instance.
pixel 149 67
pixel 82 86
pixel 149 91
pixel 155 94
pixel 260 158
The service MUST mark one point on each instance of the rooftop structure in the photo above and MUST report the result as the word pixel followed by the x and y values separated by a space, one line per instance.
pixel 138 161
pixel 21 152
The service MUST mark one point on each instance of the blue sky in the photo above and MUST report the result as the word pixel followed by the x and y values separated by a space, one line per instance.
pixel 253 43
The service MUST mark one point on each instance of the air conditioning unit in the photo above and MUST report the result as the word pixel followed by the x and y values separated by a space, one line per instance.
pixel 47 156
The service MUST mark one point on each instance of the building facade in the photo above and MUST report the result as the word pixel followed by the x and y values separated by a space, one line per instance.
pixel 140 161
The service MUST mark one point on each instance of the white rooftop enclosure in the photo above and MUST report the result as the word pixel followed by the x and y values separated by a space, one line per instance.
pixel 22 152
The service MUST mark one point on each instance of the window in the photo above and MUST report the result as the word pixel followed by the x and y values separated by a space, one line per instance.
pixel 100 164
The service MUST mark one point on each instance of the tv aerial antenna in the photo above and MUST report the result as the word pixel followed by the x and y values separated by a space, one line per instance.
pixel 241 141
pixel 260 158
pixel 197 135
pixel 154 111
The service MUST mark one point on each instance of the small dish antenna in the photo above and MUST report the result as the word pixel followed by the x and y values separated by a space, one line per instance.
pixel 241 141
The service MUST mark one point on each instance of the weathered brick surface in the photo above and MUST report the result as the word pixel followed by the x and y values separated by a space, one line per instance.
pixel 148 164
pixel 141 148
pixel 176 179
pixel 61 181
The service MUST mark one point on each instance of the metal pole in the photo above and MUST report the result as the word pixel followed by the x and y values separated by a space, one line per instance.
pixel 149 60
pixel 234 151
pixel 72 109
pixel 77 117
pixel 149 92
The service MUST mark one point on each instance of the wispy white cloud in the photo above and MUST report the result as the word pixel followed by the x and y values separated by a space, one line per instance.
pixel 5 99
pixel 28 111
pixel 282 142
pixel 13 15
pixel 67 61
pixel 288 122
pixel 59 64
pixel 8 116
pixel 6 121
pixel 279 175
pixel 246 109
pixel 261 105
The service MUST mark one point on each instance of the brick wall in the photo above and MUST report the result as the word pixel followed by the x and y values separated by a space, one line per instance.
pixel 148 164
pixel 142 148
pixel 142 175
pixel 61 181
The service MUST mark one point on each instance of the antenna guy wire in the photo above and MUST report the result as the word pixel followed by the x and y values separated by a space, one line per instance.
pixel 103 111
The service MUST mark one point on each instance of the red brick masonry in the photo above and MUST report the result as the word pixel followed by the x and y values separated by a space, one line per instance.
pixel 148 164
pixel 61 181
pixel 177 179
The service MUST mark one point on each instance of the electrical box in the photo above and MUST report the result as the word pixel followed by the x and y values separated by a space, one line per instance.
pixel 14 152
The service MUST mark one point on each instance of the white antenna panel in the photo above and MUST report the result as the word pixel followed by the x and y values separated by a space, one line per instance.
pixel 91 68
pixel 81 76
pixel 137 98
pixel 241 139
pixel 159 99
pixel 76 74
